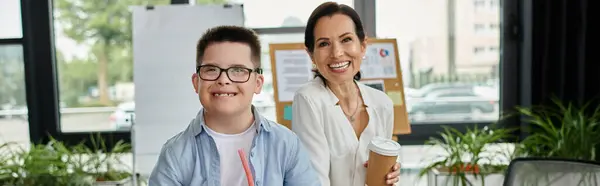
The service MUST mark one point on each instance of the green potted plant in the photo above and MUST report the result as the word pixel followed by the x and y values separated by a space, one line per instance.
pixel 561 130
pixel 39 165
pixel 57 164
pixel 106 166
pixel 6 165
pixel 467 157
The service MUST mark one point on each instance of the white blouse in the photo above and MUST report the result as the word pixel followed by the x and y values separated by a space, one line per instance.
pixel 336 153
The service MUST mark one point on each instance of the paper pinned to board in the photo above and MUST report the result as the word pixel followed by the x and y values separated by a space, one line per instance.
pixel 287 112
pixel 396 97
pixel 380 62
pixel 293 69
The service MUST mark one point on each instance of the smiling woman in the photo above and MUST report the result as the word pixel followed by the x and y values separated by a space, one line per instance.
pixel 348 53
pixel 334 115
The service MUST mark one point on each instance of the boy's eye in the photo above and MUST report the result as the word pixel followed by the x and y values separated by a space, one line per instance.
pixel 237 69
pixel 210 69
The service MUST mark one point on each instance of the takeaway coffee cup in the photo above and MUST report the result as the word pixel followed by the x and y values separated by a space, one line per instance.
pixel 383 154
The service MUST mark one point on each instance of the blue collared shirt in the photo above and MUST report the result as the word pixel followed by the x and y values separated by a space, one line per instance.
pixel 277 157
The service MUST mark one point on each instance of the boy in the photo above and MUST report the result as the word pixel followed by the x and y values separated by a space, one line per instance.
pixel 227 76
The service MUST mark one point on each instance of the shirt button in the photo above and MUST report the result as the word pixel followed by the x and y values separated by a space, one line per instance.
pixel 251 154
pixel 257 182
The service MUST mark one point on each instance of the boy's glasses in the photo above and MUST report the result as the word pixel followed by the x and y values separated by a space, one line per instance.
pixel 235 74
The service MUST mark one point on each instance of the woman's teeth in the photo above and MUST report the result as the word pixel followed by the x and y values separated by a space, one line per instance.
pixel 341 65
pixel 229 95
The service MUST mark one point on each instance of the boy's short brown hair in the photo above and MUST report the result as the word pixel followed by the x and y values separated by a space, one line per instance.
pixel 229 34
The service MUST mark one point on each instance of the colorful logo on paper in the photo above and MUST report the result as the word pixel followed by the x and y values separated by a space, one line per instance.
pixel 384 53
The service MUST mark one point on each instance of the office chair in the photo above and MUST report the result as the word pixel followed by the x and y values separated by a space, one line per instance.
pixel 552 172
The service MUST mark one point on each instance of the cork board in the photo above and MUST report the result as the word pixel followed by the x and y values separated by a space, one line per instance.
pixel 283 104
pixel 388 79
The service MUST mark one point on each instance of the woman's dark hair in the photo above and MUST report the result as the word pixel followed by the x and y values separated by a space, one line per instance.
pixel 330 9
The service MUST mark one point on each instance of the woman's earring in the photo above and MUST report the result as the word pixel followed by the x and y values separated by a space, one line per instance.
pixel 314 66
pixel 364 57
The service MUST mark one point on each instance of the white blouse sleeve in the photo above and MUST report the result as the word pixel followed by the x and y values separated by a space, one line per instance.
pixel 306 123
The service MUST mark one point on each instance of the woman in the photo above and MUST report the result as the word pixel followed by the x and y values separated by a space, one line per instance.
pixel 334 115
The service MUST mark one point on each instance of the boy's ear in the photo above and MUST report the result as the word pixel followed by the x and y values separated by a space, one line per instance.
pixel 195 82
pixel 260 80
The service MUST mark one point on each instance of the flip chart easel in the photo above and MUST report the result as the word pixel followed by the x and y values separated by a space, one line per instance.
pixel 380 69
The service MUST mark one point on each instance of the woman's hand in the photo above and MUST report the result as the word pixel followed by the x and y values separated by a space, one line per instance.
pixel 393 176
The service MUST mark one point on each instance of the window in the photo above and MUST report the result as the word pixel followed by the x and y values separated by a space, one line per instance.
pixel 479 28
pixel 494 4
pixel 494 26
pixel 281 13
pixel 10 19
pixel 265 101
pixel 479 50
pixel 14 124
pixel 494 49
pixel 423 41
pixel 479 4
pixel 95 69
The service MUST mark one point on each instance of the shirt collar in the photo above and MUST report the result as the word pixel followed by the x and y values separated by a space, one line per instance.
pixel 333 100
pixel 197 125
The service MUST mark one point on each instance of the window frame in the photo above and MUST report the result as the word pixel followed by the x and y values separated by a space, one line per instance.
pixel 42 80
pixel 11 41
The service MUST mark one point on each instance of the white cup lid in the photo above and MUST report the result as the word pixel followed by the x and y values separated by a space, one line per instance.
pixel 383 146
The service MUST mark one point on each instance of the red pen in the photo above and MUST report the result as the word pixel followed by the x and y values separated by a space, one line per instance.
pixel 246 167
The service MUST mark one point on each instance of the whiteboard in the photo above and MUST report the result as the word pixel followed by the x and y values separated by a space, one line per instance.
pixel 164 50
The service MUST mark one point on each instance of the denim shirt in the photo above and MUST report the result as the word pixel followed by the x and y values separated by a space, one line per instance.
pixel 276 158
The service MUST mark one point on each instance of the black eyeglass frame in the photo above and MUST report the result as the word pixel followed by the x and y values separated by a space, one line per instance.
pixel 226 70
